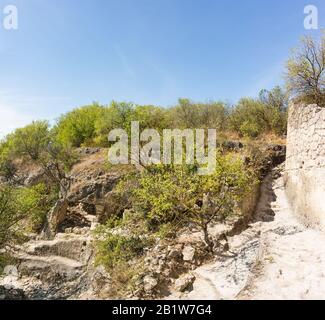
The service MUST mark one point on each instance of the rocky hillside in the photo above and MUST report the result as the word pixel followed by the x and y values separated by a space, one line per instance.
pixel 60 262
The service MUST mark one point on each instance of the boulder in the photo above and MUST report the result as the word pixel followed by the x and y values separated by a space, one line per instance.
pixel 184 282
pixel 149 283
pixel 55 217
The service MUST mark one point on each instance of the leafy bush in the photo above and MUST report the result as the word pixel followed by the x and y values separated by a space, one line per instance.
pixel 250 129
pixel 37 144
pixel 10 214
pixel 152 117
pixel 30 141
pixel 118 249
pixel 116 116
pixel 5 260
pixel 198 115
pixel 23 203
pixel 122 253
pixel 252 117
pixel 41 199
pixel 178 195
pixel 7 168
pixel 78 127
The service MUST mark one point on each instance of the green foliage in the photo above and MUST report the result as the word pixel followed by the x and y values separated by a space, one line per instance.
pixel 152 117
pixel 10 213
pixel 31 140
pixel 7 167
pixel 116 116
pixel 118 249
pixel 5 260
pixel 24 203
pixel 40 199
pixel 177 195
pixel 250 129
pixel 306 71
pixel 252 117
pixel 78 127
pixel 199 115
pixel 39 145
pixel 167 231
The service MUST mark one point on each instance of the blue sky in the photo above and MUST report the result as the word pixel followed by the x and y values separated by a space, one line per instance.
pixel 68 53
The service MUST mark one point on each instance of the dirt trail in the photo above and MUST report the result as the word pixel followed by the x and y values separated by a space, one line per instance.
pixel 277 257
pixel 293 262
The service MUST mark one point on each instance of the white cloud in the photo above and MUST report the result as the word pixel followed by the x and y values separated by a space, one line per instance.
pixel 17 110
pixel 11 119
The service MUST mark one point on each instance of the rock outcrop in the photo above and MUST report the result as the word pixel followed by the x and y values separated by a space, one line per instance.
pixel 59 264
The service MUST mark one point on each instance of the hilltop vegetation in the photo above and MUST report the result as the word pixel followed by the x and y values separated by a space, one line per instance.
pixel 155 203
pixel 90 125
pixel 23 208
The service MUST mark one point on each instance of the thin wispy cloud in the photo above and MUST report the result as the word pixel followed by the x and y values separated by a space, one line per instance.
pixel 125 62
pixel 17 110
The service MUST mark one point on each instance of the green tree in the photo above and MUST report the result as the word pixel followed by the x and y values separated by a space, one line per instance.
pixel 78 127
pixel 116 116
pixel 305 73
pixel 276 108
pixel 38 144
pixel 178 195
pixel 248 118
pixel 17 204
pixel 31 140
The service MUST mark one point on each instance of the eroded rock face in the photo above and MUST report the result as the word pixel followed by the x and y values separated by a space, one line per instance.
pixel 59 264
pixel 92 188
pixel 52 269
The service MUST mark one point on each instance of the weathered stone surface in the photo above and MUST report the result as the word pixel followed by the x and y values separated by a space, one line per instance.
pixel 184 282
pixel 11 294
pixel 56 216
pixel 188 253
pixel 149 283
pixel 100 280
pixel 305 163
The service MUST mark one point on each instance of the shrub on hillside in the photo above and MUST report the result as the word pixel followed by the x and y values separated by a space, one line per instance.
pixel 188 114
pixel 268 113
pixel 178 195
pixel 78 127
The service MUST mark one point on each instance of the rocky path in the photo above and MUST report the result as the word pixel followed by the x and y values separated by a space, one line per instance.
pixel 53 269
pixel 275 258
pixel 293 262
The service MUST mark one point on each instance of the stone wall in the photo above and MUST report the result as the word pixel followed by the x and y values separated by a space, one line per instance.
pixel 305 163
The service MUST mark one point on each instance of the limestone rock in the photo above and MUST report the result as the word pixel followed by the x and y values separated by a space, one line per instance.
pixel 188 253
pixel 149 283
pixel 56 216
pixel 100 280
pixel 184 282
